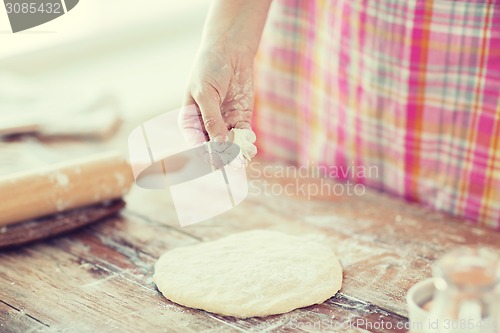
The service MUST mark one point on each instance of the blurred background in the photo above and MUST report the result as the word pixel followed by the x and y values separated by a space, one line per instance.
pixel 140 53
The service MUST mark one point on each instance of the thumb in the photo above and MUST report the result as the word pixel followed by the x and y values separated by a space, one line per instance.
pixel 209 104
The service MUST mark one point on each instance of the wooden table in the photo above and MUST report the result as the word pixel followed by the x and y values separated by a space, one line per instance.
pixel 98 278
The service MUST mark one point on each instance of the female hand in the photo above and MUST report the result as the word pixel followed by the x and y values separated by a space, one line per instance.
pixel 219 100
pixel 221 91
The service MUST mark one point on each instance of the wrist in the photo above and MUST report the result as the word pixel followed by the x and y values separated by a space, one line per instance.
pixel 239 55
pixel 230 43
pixel 236 24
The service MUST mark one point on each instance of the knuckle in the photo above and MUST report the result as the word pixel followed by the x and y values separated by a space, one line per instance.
pixel 210 124
pixel 197 92
pixel 206 92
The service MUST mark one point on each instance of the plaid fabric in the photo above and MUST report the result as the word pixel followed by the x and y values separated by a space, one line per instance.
pixel 411 87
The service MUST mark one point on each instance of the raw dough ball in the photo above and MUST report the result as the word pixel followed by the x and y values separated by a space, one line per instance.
pixel 245 139
pixel 250 274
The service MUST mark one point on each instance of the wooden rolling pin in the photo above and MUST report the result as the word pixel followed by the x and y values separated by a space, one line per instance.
pixel 62 187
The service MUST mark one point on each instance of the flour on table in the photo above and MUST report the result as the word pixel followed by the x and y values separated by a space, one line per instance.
pixel 60 179
pixel 250 274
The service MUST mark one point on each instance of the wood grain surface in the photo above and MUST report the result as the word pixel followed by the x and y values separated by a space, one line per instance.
pixel 99 278
pixel 26 232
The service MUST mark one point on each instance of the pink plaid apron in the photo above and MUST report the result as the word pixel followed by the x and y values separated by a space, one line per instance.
pixel 411 87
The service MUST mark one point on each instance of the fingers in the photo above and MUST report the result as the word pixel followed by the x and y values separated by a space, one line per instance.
pixel 243 125
pixel 208 100
pixel 191 123
pixel 238 106
pixel 237 118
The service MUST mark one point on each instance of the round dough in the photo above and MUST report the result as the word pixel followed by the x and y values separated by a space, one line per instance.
pixel 250 274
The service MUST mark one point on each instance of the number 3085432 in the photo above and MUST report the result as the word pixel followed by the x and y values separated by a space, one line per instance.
pixel 33 7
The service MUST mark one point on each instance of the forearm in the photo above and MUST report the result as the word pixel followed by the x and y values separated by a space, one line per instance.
pixel 236 22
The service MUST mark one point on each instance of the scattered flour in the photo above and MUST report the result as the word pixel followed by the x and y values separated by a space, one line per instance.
pixel 120 178
pixel 61 205
pixel 60 178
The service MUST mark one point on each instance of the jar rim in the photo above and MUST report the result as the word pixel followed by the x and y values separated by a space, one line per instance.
pixel 468 268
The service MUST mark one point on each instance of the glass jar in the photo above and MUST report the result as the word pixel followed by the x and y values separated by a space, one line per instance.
pixel 467 282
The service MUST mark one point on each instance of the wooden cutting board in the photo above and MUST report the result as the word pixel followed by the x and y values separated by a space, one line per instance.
pixel 29 231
